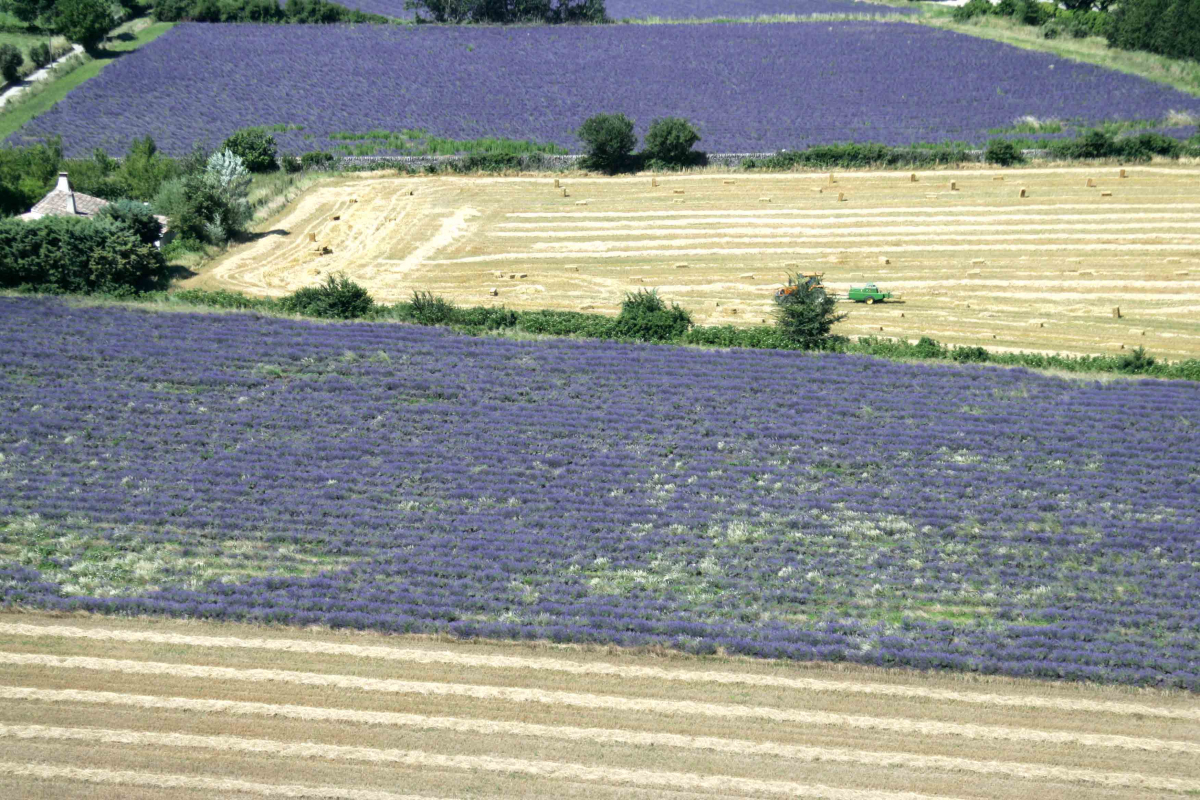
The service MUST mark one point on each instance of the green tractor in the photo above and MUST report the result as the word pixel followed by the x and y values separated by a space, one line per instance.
pixel 869 294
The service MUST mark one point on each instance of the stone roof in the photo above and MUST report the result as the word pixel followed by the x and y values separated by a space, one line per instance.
pixel 63 201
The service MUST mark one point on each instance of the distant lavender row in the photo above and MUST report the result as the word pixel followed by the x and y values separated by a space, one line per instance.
pixel 750 88
pixel 687 9
pixel 408 479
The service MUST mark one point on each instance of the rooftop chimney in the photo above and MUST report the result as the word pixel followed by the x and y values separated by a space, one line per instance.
pixel 64 185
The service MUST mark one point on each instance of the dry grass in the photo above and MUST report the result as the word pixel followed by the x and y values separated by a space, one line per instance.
pixel 157 708
pixel 973 265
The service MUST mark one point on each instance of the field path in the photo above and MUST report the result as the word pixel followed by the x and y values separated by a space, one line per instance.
pixel 166 709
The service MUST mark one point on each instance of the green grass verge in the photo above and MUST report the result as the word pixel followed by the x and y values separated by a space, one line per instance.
pixel 48 92
pixel 1180 74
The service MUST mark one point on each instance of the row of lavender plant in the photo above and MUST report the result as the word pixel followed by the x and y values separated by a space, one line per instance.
pixel 765 87
pixel 406 478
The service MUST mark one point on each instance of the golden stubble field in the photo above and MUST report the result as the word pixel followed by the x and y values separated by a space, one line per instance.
pixel 972 260
pixel 117 708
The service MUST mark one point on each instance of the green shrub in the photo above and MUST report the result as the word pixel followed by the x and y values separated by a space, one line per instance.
pixel 608 140
pixel 645 317
pixel 1144 146
pixel 1135 362
pixel 670 140
pixel 78 255
pixel 316 160
pixel 805 313
pixel 40 55
pixel 27 174
pixel 969 355
pixel 255 147
pixel 337 298
pixel 430 309
pixel 136 216
pixel 1092 144
pixel 290 164
pixel 11 62
pixel 1003 152
pixel 973 8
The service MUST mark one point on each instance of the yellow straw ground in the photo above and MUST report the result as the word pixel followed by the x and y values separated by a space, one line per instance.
pixel 973 262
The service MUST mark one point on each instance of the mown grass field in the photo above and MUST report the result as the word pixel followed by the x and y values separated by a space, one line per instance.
pixel 106 708
pixel 972 261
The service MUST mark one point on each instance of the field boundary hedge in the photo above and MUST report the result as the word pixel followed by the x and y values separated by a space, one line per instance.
pixel 487 320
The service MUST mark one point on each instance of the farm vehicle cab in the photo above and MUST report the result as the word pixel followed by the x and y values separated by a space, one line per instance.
pixel 869 294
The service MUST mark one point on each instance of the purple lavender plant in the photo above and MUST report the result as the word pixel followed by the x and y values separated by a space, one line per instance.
pixel 402 478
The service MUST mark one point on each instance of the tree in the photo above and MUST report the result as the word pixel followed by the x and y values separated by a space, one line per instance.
pixel 10 63
pixel 144 170
pixel 28 11
pixel 609 141
pixel 805 313
pixel 255 147
pixel 27 173
pixel 84 22
pixel 138 217
pixel 670 141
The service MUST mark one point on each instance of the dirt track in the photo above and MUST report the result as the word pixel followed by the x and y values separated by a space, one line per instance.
pixel 101 707
pixel 973 264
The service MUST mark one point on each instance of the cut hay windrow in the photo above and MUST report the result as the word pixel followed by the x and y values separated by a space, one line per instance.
pixel 555 770
pixel 215 787
pixel 916 235
pixel 801 212
pixel 810 251
pixel 599 668
pixel 608 736
pixel 845 232
pixel 981 216
pixel 609 702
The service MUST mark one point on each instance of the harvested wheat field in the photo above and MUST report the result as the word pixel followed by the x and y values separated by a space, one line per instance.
pixel 972 261
pixel 119 708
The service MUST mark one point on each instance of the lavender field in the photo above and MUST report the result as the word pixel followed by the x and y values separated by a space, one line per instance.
pixel 409 479
pixel 766 86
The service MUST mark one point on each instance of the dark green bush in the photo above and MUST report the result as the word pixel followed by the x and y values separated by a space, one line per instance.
pixel 290 164
pixel 255 147
pixel 670 140
pixel 77 255
pixel 430 309
pixel 969 355
pixel 337 298
pixel 11 62
pixel 316 160
pixel 854 156
pixel 608 140
pixel 645 317
pixel 1092 144
pixel 40 55
pixel 1003 152
pixel 136 216
pixel 973 8
pixel 805 313
pixel 1135 362
pixel 1143 146
pixel 1168 27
